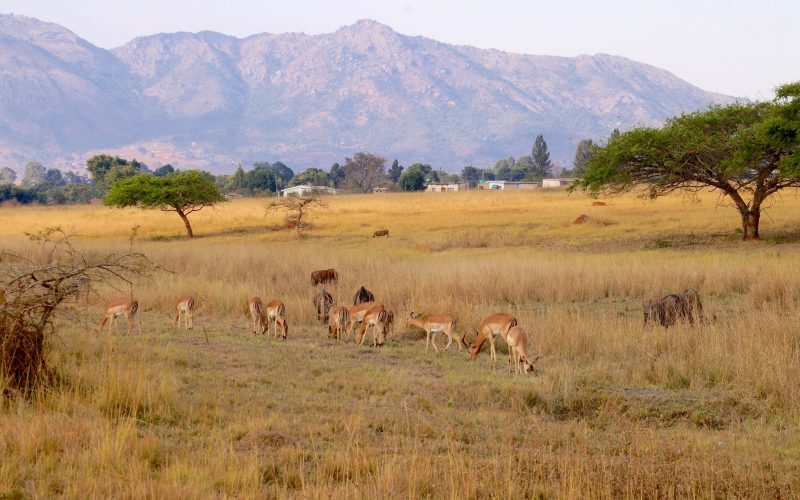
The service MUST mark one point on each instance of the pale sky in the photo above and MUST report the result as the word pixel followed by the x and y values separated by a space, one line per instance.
pixel 734 47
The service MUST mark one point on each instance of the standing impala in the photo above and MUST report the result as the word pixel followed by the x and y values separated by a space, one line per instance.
pixel 275 314
pixel 257 313
pixel 518 350
pixel 494 324
pixel 374 317
pixel 339 316
pixel 437 323
pixel 357 313
pixel 184 306
pixel 120 307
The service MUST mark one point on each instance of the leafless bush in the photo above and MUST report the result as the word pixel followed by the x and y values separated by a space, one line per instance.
pixel 34 287
pixel 297 209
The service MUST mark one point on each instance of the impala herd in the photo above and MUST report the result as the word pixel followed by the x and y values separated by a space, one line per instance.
pixel 367 313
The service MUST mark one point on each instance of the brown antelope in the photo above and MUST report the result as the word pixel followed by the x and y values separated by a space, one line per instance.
pixel 257 313
pixel 436 323
pixel 374 317
pixel 338 317
pixel 518 350
pixel 275 314
pixel 356 314
pixel 120 307
pixel 324 276
pixel 380 232
pixel 494 324
pixel 184 306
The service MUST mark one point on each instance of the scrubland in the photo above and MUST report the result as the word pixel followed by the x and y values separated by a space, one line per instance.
pixel 614 409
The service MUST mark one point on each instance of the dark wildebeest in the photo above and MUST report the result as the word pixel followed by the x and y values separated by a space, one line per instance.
pixel 324 276
pixel 323 301
pixel 693 305
pixel 363 295
pixel 382 232
pixel 666 311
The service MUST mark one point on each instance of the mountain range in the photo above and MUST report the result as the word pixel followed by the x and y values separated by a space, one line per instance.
pixel 209 100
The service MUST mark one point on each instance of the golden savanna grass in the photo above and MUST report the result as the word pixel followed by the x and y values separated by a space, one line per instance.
pixel 613 410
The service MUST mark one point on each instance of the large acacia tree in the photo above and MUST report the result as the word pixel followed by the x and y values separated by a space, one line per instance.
pixel 183 193
pixel 747 152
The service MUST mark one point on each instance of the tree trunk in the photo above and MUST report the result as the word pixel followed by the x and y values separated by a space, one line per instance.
pixel 189 232
pixel 750 220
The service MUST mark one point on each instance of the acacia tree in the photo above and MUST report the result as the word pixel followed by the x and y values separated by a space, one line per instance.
pixel 747 152
pixel 182 192
pixel 297 209
pixel 363 171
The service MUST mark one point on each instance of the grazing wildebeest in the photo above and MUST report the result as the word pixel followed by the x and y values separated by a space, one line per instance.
pixel 324 276
pixel 323 301
pixel 693 305
pixel 666 311
pixel 382 232
pixel 363 295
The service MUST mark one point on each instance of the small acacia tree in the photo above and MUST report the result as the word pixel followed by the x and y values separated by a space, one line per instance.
pixel 747 152
pixel 297 209
pixel 183 193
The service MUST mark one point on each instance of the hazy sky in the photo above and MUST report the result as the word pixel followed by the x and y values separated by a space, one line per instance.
pixel 734 47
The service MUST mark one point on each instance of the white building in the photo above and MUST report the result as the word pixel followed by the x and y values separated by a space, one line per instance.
pixel 505 185
pixel 442 187
pixel 558 182
pixel 305 188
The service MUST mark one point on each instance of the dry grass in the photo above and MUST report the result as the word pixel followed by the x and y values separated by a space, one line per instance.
pixel 614 410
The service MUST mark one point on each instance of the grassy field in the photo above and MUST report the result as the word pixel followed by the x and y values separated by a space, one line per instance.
pixel 613 410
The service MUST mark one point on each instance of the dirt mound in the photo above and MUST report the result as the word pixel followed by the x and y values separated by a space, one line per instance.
pixel 582 219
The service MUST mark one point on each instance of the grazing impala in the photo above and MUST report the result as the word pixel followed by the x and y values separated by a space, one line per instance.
pixel 374 317
pixel 257 313
pixel 357 313
pixel 275 314
pixel 120 307
pixel 494 324
pixel 184 306
pixel 337 322
pixel 436 323
pixel 518 350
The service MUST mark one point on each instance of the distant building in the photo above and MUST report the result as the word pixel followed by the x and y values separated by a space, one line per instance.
pixel 558 182
pixel 305 188
pixel 505 185
pixel 443 187
pixel 380 190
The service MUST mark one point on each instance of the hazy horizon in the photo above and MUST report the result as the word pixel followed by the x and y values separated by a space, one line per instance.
pixel 725 47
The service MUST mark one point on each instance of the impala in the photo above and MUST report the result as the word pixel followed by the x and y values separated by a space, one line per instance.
pixel 374 317
pixel 494 324
pixel 275 314
pixel 357 313
pixel 120 307
pixel 436 323
pixel 339 316
pixel 257 313
pixel 518 350
pixel 184 306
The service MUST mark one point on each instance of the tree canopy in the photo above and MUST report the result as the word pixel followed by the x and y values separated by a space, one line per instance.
pixel 746 151
pixel 540 156
pixel 363 171
pixel 183 193
pixel 106 170
pixel 413 178
pixel 7 176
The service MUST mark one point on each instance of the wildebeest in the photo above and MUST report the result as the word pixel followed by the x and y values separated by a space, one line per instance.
pixel 666 311
pixel 324 276
pixel 363 295
pixel 693 305
pixel 382 232
pixel 323 301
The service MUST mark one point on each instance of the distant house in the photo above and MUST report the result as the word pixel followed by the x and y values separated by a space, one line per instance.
pixel 305 188
pixel 380 190
pixel 443 187
pixel 507 185
pixel 558 182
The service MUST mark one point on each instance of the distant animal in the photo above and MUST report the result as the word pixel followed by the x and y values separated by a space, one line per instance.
pixel 598 203
pixel 276 312
pixel 666 310
pixel 517 341
pixel 339 316
pixel 389 322
pixel 374 317
pixel 323 301
pixel 437 323
pixel 123 306
pixel 256 307
pixel 184 306
pixel 324 276
pixel 363 295
pixel 494 324
pixel 693 305
pixel 382 232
